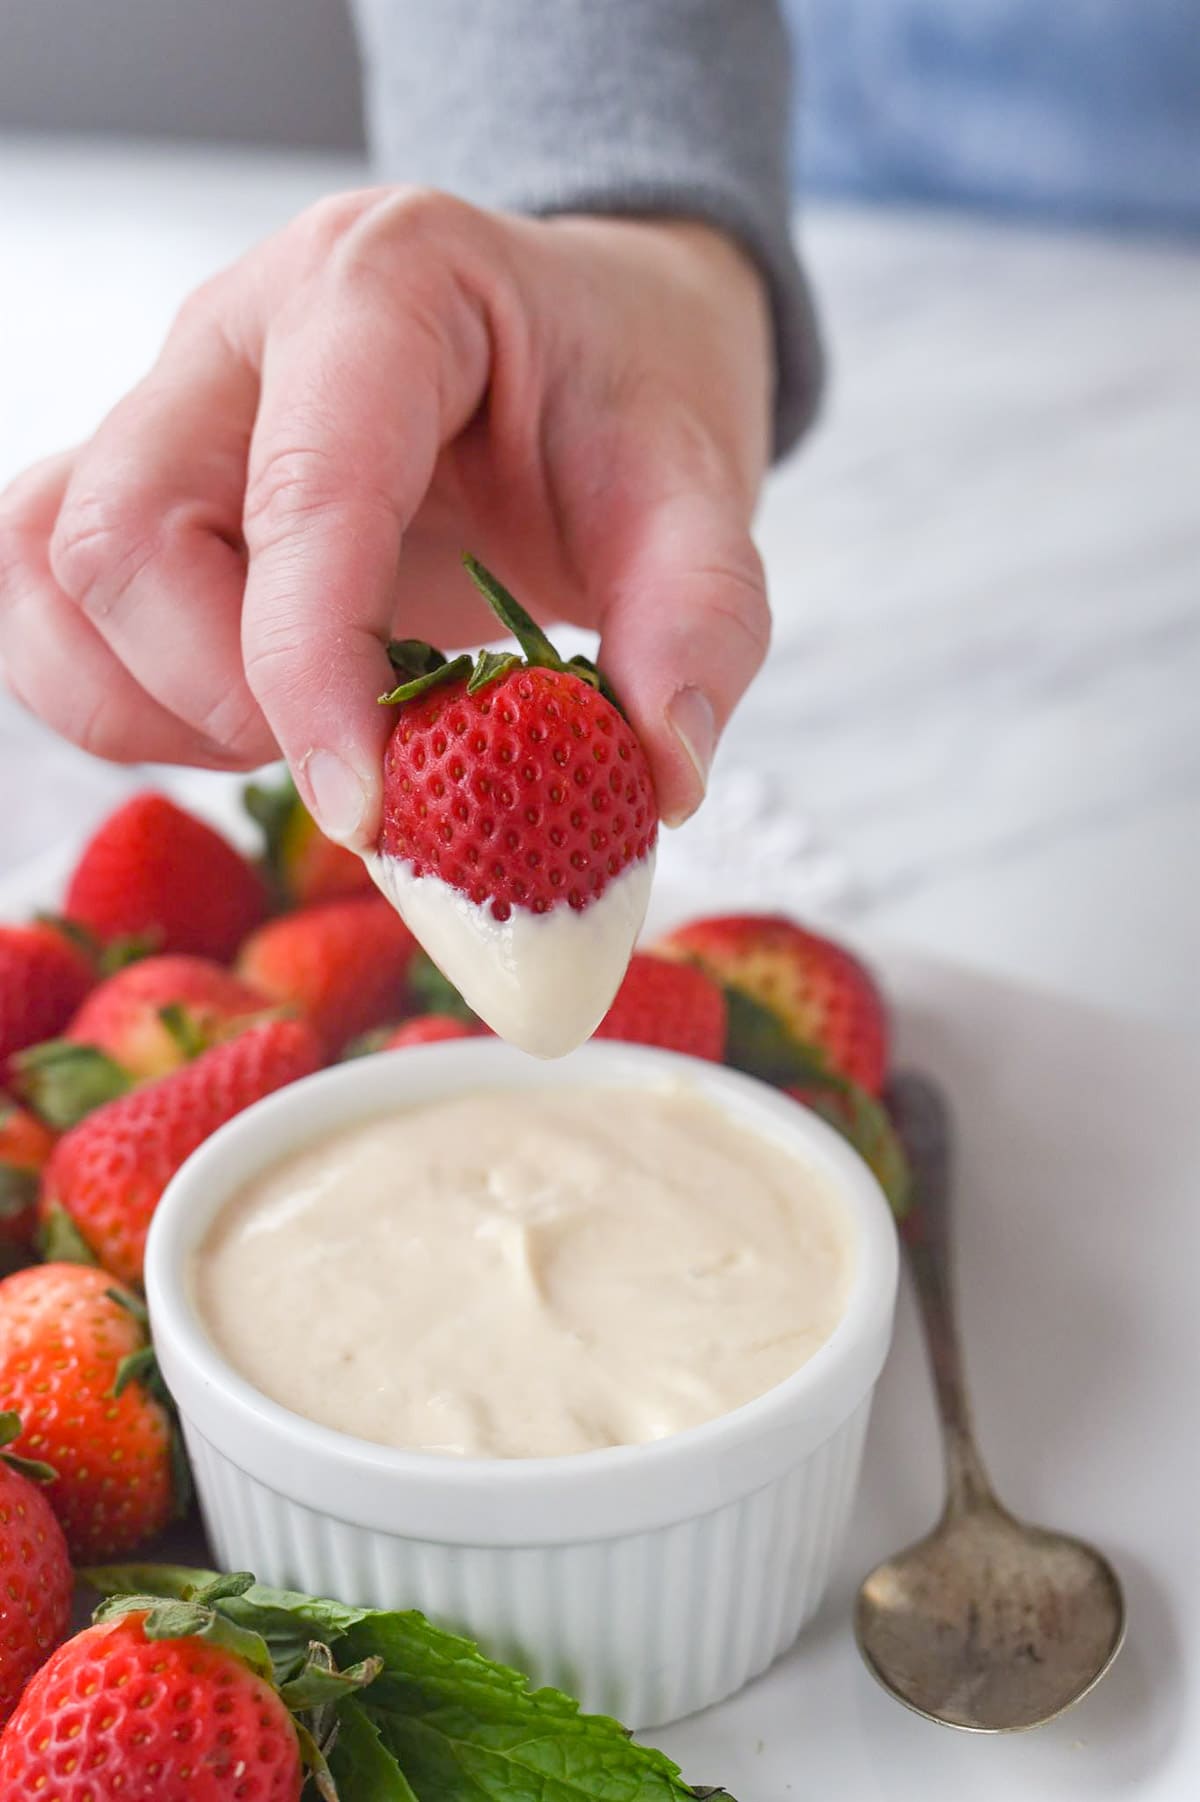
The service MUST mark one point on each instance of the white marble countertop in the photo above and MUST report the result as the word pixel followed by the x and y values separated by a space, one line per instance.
pixel 977 731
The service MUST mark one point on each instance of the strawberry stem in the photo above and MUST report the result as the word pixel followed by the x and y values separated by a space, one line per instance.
pixel 512 616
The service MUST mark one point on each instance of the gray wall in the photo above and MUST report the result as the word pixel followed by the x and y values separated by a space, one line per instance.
pixel 265 71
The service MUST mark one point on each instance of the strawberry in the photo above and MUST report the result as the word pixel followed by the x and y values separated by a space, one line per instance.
pixel 515 788
pixel 74 1363
pixel 122 1714
pixel 25 1147
pixel 44 975
pixel 107 1173
pixel 343 965
pixel 675 1006
pixel 142 1022
pixel 159 873
pixel 302 866
pixel 798 1002
pixel 36 1581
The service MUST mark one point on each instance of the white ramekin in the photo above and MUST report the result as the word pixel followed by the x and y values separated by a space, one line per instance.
pixel 648 1580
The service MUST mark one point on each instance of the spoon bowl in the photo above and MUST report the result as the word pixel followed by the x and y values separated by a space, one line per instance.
pixel 987 1623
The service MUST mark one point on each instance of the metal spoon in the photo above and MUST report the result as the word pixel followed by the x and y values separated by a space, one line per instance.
pixel 987 1623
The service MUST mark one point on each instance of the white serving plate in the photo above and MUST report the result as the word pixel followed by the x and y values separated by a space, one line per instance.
pixel 1079 1254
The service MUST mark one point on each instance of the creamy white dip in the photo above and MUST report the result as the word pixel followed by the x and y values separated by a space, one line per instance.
pixel 544 981
pixel 515 1274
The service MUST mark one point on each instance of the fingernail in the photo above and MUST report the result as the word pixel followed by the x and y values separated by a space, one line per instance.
pixel 335 794
pixel 691 719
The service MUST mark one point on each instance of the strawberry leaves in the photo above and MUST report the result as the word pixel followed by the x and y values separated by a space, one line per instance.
pixel 32 1468
pixel 421 666
pixel 63 1081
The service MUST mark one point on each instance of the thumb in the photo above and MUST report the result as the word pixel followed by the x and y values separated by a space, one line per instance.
pixel 684 629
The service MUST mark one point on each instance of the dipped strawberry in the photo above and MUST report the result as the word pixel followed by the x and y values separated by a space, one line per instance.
pixel 75 1365
pixel 519 827
pixel 155 872
pixel 44 975
pixel 36 1580
pixel 140 1023
pixel 343 965
pixel 106 1176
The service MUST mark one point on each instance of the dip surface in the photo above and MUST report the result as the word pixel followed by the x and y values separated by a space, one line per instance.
pixel 527 1273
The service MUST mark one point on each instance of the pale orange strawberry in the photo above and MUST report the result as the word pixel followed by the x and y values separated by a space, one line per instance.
pixel 812 1004
pixel 302 865
pixel 140 1023
pixel 343 965
pixel 25 1148
pixel 65 1345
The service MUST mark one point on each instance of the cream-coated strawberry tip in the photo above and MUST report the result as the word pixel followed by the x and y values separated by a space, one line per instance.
pixel 543 981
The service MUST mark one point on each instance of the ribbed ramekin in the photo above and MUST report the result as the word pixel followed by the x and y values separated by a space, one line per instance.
pixel 649 1580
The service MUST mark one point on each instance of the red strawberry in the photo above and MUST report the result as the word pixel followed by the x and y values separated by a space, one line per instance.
pixel 108 1173
pixel 43 978
pixel 141 1023
pixel 343 965
pixel 119 1716
pixel 427 1029
pixel 25 1147
pixel 519 785
pixel 63 1342
pixel 675 1006
pixel 303 866
pixel 822 1000
pixel 156 872
pixel 35 1571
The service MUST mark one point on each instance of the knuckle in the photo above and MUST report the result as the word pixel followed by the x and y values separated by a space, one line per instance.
pixel 292 487
pixel 98 545
pixel 321 227
pixel 732 594
pixel 404 231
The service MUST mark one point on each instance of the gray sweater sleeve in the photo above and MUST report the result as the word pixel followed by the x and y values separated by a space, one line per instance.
pixel 612 106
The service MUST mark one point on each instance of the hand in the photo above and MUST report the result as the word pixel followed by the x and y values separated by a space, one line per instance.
pixel 393 379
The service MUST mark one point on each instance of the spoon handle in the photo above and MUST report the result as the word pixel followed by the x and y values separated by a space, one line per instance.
pixel 922 1119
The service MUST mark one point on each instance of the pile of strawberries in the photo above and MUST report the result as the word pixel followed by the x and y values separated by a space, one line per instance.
pixel 182 983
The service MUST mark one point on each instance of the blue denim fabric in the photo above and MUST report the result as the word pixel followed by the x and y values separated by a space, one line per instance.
pixel 1078 108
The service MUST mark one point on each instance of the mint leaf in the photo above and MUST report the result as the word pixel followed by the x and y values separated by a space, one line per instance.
pixel 173 1581
pixel 464 1729
pixel 363 1768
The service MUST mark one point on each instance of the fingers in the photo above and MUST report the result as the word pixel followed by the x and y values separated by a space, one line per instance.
pixel 147 542
pixel 55 661
pixel 387 359
pixel 685 627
